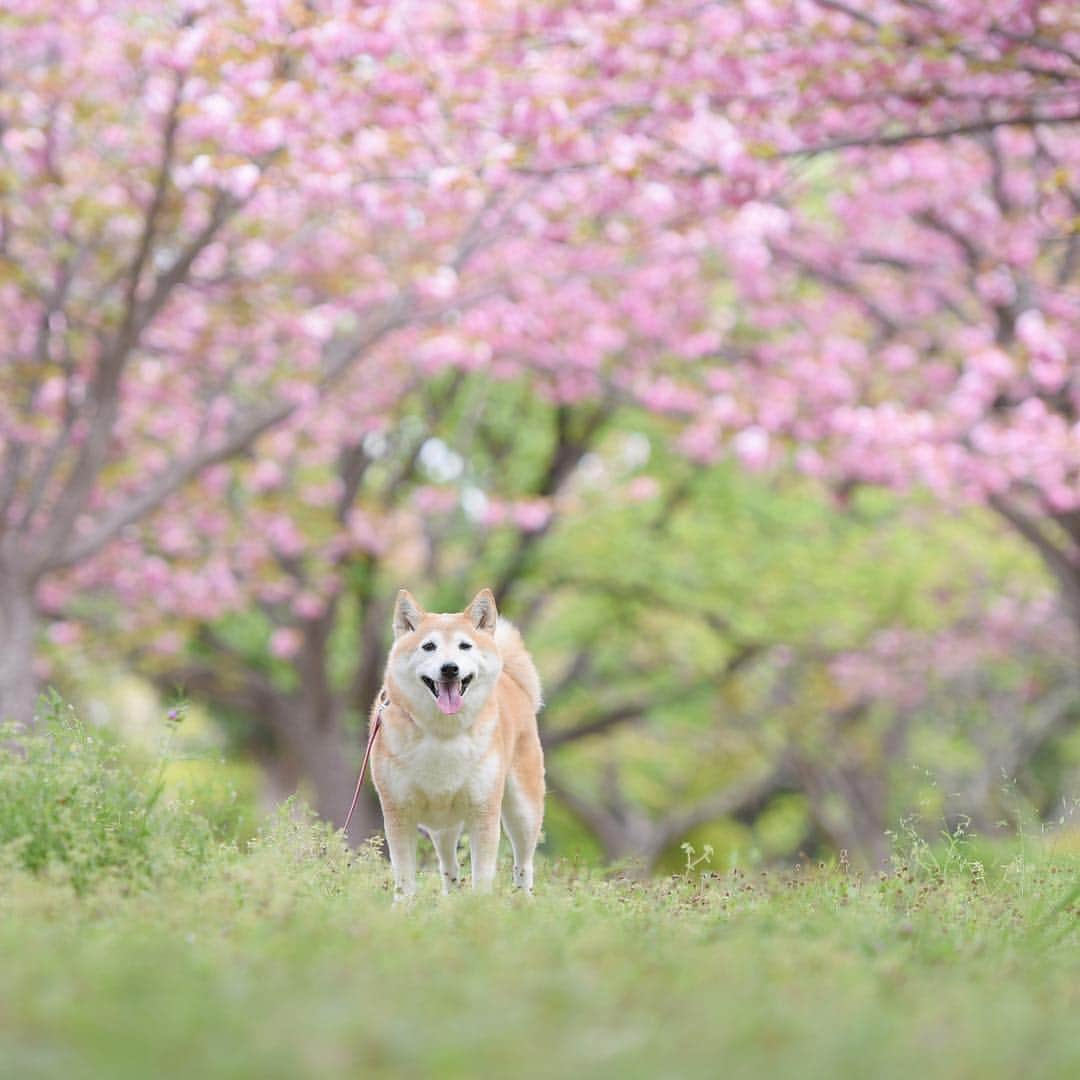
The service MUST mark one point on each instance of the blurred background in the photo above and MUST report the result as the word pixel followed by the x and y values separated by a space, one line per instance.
pixel 734 345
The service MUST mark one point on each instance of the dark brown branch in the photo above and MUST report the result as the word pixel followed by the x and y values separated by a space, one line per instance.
pixel 902 138
pixel 575 673
pixel 353 464
pixel 602 822
pixel 852 13
pixel 624 831
pixel 930 219
pixel 164 484
pixel 180 472
pixel 597 725
pixel 724 803
pixel 569 448
pixel 152 217
pixel 1063 566
pixel 838 281
pixel 105 393
pixel 611 717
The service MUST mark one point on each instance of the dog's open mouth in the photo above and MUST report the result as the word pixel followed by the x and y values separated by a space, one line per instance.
pixel 448 692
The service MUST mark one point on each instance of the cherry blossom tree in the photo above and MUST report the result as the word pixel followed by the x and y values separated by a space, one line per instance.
pixel 443 494
pixel 257 257
pixel 912 302
pixel 221 220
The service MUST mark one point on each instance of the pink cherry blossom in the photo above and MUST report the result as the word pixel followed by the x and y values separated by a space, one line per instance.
pixel 250 239
pixel 285 642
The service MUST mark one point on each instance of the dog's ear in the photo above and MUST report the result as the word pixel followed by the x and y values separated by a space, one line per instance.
pixel 407 613
pixel 482 612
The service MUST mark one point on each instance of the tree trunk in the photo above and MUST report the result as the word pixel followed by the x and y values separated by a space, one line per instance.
pixel 18 631
pixel 331 764
pixel 1070 523
pixel 281 775
pixel 317 753
pixel 848 804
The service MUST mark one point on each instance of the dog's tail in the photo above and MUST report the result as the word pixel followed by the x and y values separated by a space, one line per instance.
pixel 516 661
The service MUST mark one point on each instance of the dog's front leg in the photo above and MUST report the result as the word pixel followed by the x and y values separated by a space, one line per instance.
pixel 484 845
pixel 401 838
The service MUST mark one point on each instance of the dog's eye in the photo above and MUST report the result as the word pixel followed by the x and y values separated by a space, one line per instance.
pixel 428 646
pixel 465 645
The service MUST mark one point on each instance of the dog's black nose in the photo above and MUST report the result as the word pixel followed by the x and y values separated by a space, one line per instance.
pixel 449 671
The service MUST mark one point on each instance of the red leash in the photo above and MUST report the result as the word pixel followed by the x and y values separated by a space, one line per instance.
pixel 376 724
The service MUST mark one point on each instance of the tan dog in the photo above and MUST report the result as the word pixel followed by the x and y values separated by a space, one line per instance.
pixel 459 746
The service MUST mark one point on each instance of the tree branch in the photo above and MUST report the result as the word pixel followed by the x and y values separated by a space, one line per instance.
pixel 1063 567
pixel 243 435
pixel 838 281
pixel 602 822
pixel 599 723
pixel 105 394
pixel 153 214
pixel 568 450
pixel 973 127
pixel 723 803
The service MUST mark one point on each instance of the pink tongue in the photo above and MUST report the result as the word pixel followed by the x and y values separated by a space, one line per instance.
pixel 449 699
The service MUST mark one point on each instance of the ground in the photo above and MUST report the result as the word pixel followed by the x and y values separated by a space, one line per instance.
pixel 289 963
pixel 137 940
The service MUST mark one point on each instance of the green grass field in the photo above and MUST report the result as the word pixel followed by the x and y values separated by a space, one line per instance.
pixel 137 941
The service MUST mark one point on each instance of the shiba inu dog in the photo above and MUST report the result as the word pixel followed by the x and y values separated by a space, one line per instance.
pixel 459 746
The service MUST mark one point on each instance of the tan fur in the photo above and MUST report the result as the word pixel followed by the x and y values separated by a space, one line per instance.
pixel 517 663
pixel 446 773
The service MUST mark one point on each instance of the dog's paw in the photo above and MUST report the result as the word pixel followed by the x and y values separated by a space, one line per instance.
pixel 452 885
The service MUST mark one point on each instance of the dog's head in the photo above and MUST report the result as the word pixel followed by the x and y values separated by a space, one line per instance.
pixel 445 665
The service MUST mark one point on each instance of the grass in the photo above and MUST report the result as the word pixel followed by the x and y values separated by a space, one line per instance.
pixel 286 959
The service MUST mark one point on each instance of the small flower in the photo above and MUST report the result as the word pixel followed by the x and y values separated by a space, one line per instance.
pixel 176 713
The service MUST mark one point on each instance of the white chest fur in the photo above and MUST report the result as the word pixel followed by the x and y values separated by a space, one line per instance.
pixel 441 780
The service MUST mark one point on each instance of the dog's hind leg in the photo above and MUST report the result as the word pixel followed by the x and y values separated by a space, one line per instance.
pixel 522 816
pixel 446 842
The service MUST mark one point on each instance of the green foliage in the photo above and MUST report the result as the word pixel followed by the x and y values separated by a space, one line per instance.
pixel 221 795
pixel 74 807
pixel 70 803
pixel 705 608
pixel 664 593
